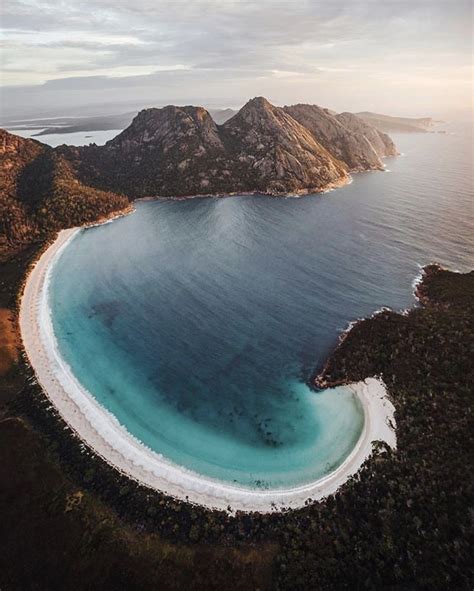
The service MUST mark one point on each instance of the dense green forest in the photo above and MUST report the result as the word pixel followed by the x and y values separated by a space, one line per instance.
pixel 404 522
pixel 69 521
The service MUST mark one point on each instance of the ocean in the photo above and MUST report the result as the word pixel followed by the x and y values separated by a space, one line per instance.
pixel 198 323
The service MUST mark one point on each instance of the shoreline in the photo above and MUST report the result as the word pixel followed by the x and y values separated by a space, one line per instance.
pixel 332 186
pixel 318 379
pixel 101 431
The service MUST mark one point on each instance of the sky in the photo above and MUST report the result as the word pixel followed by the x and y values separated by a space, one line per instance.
pixel 399 57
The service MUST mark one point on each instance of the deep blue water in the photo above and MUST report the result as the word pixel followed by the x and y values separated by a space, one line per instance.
pixel 198 323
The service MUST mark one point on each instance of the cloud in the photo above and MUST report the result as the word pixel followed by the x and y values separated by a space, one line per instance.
pixel 218 44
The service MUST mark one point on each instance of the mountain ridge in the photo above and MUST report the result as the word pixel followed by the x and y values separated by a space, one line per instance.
pixel 181 151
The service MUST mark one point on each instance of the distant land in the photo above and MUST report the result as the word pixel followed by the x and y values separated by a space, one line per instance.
pixel 73 124
pixel 63 125
pixel 181 152
pixel 389 124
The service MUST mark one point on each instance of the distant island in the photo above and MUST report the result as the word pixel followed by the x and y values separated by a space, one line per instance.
pixel 119 121
pixel 389 124
pixel 179 152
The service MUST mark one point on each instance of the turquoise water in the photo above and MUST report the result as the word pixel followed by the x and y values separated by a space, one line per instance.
pixel 199 323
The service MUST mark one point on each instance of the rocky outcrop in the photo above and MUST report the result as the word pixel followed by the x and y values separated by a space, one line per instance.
pixel 180 151
pixel 348 142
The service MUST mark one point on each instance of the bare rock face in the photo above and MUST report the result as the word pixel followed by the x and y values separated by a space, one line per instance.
pixel 281 154
pixel 379 141
pixel 347 140
pixel 180 151
pixel 188 127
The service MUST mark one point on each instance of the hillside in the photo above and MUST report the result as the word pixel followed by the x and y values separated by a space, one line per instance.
pixel 39 193
pixel 354 142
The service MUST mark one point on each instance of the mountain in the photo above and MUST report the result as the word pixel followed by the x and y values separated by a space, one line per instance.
pixel 359 146
pixel 40 193
pixel 389 124
pixel 281 154
pixel 167 151
pixel 181 151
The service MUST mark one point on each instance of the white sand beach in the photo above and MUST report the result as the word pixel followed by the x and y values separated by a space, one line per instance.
pixel 101 431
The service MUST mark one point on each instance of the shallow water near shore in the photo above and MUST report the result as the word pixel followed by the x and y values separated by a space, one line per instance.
pixel 198 323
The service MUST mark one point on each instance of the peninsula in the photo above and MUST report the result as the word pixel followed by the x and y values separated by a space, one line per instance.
pixel 178 152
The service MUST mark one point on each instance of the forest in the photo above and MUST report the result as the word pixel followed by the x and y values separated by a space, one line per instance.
pixel 403 522
pixel 40 193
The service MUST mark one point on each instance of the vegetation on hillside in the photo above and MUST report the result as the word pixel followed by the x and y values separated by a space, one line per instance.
pixel 40 194
pixel 402 523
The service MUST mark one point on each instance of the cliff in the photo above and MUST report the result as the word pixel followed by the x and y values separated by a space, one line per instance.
pixel 359 146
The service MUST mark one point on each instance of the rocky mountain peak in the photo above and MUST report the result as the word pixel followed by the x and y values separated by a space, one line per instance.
pixel 254 112
pixel 259 102
pixel 167 126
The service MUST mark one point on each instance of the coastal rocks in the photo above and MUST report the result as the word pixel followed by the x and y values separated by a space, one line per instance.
pixel 439 287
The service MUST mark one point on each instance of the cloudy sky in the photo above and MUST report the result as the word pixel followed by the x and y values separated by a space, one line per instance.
pixel 411 57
